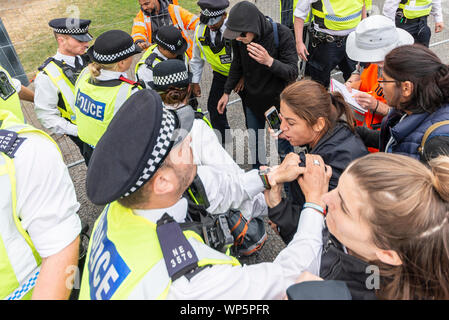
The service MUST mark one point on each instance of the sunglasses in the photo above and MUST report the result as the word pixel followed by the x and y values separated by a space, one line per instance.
pixel 243 34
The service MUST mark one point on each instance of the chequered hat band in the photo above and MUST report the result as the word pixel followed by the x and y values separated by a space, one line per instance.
pixel 160 150
pixel 71 30
pixel 112 57
pixel 211 13
pixel 171 78
pixel 172 47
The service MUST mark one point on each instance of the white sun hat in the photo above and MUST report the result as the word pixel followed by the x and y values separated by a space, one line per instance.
pixel 374 38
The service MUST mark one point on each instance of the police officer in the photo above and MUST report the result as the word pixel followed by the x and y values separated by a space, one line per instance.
pixel 170 44
pixel 412 17
pixel 39 225
pixel 54 101
pixel 209 45
pixel 102 88
pixel 172 82
pixel 286 8
pixel 333 21
pixel 11 91
pixel 138 249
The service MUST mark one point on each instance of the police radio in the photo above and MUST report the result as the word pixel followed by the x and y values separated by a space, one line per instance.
pixel 6 89
pixel 218 236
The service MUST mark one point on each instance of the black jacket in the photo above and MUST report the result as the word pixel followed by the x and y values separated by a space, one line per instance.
pixel 263 85
pixel 338 265
pixel 338 148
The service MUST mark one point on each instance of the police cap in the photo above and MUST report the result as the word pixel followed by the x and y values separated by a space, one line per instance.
pixel 134 146
pixel 76 28
pixel 170 73
pixel 113 46
pixel 212 10
pixel 171 39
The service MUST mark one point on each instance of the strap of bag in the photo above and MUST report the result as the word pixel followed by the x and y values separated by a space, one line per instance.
pixel 428 132
pixel 275 33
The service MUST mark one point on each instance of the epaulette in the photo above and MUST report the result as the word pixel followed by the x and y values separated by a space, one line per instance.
pixel 46 62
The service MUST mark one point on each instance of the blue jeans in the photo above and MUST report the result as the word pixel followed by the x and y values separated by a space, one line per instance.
pixel 256 140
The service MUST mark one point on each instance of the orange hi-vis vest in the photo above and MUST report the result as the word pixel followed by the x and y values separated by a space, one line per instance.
pixel 180 17
pixel 369 83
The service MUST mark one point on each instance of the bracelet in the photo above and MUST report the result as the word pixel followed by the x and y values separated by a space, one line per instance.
pixel 264 177
pixel 316 207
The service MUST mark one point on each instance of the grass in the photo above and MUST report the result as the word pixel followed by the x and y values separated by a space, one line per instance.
pixel 105 15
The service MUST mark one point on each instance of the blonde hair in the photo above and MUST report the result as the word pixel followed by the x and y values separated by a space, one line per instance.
pixel 95 68
pixel 408 212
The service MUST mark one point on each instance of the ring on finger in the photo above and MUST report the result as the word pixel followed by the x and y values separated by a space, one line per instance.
pixel 316 162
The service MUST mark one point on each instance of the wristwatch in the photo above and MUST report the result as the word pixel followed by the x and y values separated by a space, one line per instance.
pixel 263 174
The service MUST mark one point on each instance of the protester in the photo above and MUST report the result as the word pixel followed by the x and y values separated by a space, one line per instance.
pixel 54 101
pixel 311 117
pixel 418 90
pixel 388 219
pixel 412 17
pixel 102 88
pixel 140 228
pixel 40 226
pixel 267 61
pixel 155 14
pixel 382 36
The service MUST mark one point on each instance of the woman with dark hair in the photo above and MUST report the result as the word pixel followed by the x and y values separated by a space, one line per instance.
pixel 311 118
pixel 418 91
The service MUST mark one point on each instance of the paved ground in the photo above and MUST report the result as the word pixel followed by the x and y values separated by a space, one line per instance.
pixel 89 212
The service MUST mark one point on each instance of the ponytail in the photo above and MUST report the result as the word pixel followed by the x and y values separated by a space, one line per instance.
pixel 175 96
pixel 440 176
pixel 343 109
pixel 95 68
pixel 443 81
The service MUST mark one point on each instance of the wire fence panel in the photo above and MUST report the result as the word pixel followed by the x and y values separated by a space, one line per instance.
pixel 27 25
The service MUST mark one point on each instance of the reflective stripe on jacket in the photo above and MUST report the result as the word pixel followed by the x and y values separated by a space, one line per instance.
pixel 96 105
pixel 19 260
pixel 180 17
pixel 9 97
pixel 124 258
pixel 65 87
pixel 337 14
pixel 416 9
pixel 214 59
pixel 155 61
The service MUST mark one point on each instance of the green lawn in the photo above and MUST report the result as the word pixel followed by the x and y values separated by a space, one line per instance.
pixel 105 15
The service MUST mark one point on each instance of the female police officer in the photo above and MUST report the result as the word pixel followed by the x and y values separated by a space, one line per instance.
pixel 102 88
